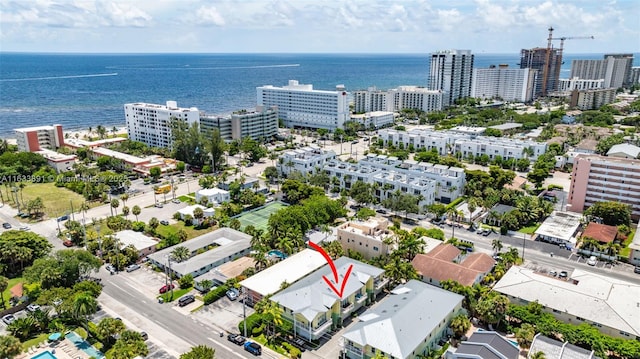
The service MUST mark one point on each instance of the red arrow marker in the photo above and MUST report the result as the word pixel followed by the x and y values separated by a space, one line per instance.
pixel 334 270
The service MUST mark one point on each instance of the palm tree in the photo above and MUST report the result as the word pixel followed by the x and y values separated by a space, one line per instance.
pixel 472 205
pixel 125 211
pixel 83 305
pixel 180 254
pixel 10 346
pixel 496 244
pixel 4 283
pixel 205 285
pixel 260 257
pixel 114 205
pixel 199 352
pixel 460 324
pixel 136 211
pixel 198 214
pixel 273 313
pixel 538 355
pixel 107 328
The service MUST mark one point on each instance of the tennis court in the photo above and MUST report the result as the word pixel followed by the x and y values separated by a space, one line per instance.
pixel 259 218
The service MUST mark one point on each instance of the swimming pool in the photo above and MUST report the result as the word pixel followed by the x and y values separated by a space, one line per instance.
pixel 44 355
pixel 84 346
pixel 277 253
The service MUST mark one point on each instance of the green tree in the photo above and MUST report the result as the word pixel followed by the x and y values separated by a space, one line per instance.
pixel 129 345
pixel 365 213
pixel 155 173
pixel 199 352
pixel 362 193
pixel 205 285
pixel 10 346
pixel 180 166
pixel 4 283
pixel 108 327
pixel 136 211
pixel 186 281
pixel 538 355
pixel 525 334
pixel 180 254
pixel 198 214
pixel 271 173
pixel 216 147
pixel 84 305
pixel 63 269
pixel 496 244
pixel 612 213
pixel 460 324
pixel 114 204
pixel 22 328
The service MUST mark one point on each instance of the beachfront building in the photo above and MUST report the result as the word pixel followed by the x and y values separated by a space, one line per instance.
pixel 375 119
pixel 206 252
pixel 398 99
pixel 371 238
pixel 613 69
pixel 568 85
pixel 289 270
pixel 314 308
pixel 407 324
pixel 33 139
pixel 448 142
pixel 451 71
pixel 151 123
pixel 58 161
pixel 300 105
pixel 305 160
pixel 610 305
pixel 502 82
pixel 260 124
pixel 599 179
pixel 371 100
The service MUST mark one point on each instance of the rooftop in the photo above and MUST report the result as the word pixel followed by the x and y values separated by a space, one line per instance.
pixel 560 225
pixel 289 270
pixel 54 156
pixel 626 149
pixel 311 295
pixel 598 299
pixel 438 264
pixel 228 242
pixel 136 239
pixel 211 191
pixel 506 126
pixel 554 349
pixel 36 128
pixel 119 155
pixel 404 319
pixel 600 232
pixel 488 345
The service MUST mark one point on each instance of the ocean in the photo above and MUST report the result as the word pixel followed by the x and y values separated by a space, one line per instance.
pixel 86 90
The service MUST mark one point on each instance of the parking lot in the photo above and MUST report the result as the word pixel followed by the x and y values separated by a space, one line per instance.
pixel 224 313
pixel 578 258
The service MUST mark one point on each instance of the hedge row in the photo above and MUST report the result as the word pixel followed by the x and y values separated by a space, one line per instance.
pixel 253 321
pixel 215 294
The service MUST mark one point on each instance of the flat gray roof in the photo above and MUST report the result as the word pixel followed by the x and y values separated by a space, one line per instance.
pixel 228 241
pixel 506 126
pixel 404 319
pixel 561 225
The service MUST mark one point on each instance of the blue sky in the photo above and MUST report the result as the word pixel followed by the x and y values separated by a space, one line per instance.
pixel 330 26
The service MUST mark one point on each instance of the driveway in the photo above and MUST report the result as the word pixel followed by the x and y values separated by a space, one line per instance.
pixel 223 313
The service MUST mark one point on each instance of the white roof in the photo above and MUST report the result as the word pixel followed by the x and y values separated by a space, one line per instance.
pixel 610 302
pixel 211 191
pixel 560 225
pixel 635 243
pixel 119 155
pixel 403 320
pixel 626 149
pixel 54 156
pixel 189 209
pixel 136 239
pixel 290 270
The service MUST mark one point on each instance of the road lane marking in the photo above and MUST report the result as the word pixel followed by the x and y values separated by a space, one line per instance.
pixel 226 348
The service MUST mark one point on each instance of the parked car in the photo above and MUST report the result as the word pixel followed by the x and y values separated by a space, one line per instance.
pixel 62 218
pixel 164 222
pixel 110 268
pixel 159 205
pixel 636 270
pixel 67 243
pixel 298 343
pixel 6 225
pixel 253 348
pixel 563 274
pixel 232 294
pixel 176 201
pixel 381 211
pixel 144 335
pixel 236 339
pixel 57 302
pixel 24 228
pixel 592 260
pixel 166 288
pixel 486 232
pixel 553 273
pixel 33 307
pixel 133 267
pixel 187 299
pixel 8 319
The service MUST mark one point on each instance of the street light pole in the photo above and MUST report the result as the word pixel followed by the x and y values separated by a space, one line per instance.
pixel 524 240
pixel 244 311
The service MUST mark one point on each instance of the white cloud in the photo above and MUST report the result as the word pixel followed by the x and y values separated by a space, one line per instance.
pixel 209 15
pixel 122 15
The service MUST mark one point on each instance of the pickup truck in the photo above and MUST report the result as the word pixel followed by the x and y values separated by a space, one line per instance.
pixel 236 339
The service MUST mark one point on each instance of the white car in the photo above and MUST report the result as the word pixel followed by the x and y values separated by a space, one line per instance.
pixel 592 261
pixel 33 307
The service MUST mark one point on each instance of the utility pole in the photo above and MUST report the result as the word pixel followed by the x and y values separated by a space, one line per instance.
pixel 524 241
pixel 73 217
pixel 171 282
pixel 244 311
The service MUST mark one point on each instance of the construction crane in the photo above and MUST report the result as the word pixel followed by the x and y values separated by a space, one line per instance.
pixel 545 70
pixel 571 38
pixel 547 65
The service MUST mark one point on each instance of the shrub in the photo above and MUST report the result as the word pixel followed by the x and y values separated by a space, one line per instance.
pixel 186 281
pixel 138 226
pixel 254 320
pixel 257 331
pixel 215 294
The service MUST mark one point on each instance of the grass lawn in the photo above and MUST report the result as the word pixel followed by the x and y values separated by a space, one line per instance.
pixel 7 293
pixel 263 341
pixel 192 232
pixel 35 341
pixel 625 251
pixel 177 293
pixel 57 200
pixel 187 199
pixel 530 229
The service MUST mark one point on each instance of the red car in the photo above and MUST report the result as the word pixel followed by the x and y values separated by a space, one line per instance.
pixel 67 243
pixel 166 288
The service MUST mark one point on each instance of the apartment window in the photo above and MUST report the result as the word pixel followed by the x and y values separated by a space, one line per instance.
pixel 375 248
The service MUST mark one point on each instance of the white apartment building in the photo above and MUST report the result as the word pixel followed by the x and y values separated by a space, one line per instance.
pixel 214 196
pixel 448 142
pixel 260 125
pixel 370 100
pixel 576 83
pixel 451 71
pixel 375 119
pixel 592 99
pixel 151 124
pixel 509 84
pixel 33 139
pixel 614 69
pixel 304 160
pixel 366 237
pixel 398 99
pixel 300 105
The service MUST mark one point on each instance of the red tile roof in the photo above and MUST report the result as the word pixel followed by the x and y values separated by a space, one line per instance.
pixel 600 232
pixel 441 270
pixel 479 261
pixel 445 252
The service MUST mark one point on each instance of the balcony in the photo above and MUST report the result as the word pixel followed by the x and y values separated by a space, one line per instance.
pixel 347 307
pixel 378 283
pixel 360 298
pixel 355 351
